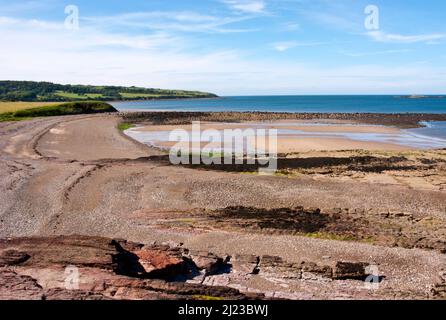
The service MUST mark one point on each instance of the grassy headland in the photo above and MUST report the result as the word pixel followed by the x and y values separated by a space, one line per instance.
pixel 71 108
pixel 30 91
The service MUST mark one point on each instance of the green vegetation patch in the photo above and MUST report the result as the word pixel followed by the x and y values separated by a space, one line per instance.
pixel 77 96
pixel 71 108
pixel 125 126
pixel 29 91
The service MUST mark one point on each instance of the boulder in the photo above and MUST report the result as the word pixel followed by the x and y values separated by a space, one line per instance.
pixel 208 262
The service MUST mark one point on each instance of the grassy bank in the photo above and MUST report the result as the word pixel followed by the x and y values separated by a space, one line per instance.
pixel 71 108
pixel 17 106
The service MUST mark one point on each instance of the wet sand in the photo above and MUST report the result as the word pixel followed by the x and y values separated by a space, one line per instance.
pixel 302 136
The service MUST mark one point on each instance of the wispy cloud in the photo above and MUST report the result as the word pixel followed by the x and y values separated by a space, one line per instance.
pixel 335 15
pixel 162 49
pixel 171 21
pixel 382 36
pixel 246 6
pixel 290 26
pixel 86 38
pixel 31 23
pixel 285 45
pixel 373 53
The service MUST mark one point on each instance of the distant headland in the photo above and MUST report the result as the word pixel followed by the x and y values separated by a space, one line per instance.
pixel 416 96
pixel 30 91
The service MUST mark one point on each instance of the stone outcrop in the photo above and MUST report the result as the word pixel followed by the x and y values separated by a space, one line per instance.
pixel 76 267
pixel 273 266
pixel 12 257
pixel 350 270
pixel 208 262
pixel 93 268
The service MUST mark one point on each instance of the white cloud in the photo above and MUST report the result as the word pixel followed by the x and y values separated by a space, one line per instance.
pixel 246 6
pixel 381 36
pixel 373 53
pixel 39 50
pixel 170 21
pixel 33 23
pixel 285 45
pixel 291 26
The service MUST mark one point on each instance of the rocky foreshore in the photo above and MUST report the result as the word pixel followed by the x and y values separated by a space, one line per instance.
pixel 402 120
pixel 80 267
pixel 77 267
pixel 315 230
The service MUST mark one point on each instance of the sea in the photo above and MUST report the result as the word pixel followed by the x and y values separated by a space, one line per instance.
pixel 318 104
pixel 322 104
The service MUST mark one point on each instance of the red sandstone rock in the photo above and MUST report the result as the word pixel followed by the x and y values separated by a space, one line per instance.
pixel 35 268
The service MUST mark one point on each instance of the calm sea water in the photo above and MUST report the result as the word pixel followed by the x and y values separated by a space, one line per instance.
pixel 322 104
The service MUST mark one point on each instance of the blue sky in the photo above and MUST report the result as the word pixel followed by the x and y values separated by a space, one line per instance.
pixel 230 47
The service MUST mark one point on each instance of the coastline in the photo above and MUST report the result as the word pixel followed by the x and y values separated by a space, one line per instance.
pixel 400 120
pixel 296 136
pixel 329 206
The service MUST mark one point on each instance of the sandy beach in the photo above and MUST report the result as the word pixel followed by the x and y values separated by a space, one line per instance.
pixel 293 136
pixel 79 175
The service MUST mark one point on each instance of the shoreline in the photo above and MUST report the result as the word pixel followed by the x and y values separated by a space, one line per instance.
pixel 296 136
pixel 329 206
pixel 400 120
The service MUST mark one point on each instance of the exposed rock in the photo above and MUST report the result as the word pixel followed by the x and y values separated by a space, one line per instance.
pixel 404 120
pixel 385 227
pixel 311 269
pixel 12 257
pixel 350 270
pixel 160 263
pixel 247 264
pixel 18 287
pixel 81 251
pixel 63 294
pixel 208 262
pixel 107 269
pixel 276 267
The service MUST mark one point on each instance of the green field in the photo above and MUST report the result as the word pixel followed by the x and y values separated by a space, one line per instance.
pixel 16 106
pixel 76 96
pixel 128 95
pixel 70 108
pixel 30 91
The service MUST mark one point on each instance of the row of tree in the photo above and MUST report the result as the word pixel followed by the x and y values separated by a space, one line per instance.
pixel 47 91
